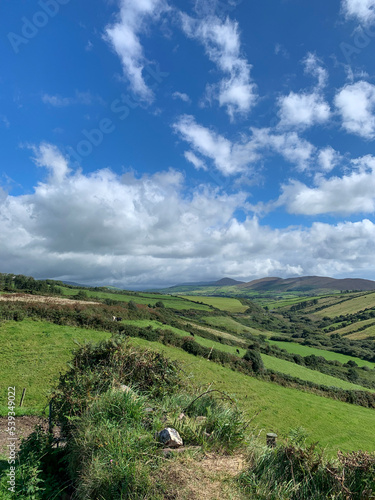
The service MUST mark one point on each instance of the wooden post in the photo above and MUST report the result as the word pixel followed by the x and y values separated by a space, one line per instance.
pixel 23 396
pixel 271 439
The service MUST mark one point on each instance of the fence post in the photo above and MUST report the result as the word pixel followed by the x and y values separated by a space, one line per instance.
pixel 23 396
pixel 271 439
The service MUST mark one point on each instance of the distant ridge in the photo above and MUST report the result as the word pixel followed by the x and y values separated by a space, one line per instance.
pixel 227 282
pixel 306 283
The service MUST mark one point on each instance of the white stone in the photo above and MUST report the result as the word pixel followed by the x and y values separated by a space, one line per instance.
pixel 170 438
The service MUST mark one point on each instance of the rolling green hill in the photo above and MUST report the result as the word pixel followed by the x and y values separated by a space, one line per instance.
pixel 37 351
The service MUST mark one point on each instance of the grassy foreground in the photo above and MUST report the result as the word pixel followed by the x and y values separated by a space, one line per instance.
pixel 36 352
pixel 334 424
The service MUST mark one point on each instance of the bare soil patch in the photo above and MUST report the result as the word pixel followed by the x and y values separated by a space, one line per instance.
pixel 24 427
pixel 208 479
pixel 22 297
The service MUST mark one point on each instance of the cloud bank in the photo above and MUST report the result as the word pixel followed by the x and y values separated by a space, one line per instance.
pixel 129 231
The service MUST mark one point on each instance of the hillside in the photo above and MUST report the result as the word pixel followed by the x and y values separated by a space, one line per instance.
pixel 308 283
pixel 272 286
pixel 287 367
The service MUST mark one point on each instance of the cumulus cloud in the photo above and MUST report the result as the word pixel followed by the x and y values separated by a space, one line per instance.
pixel 356 105
pixel 232 158
pixel 49 156
pixel 289 145
pixel 303 110
pixel 104 228
pixel 346 195
pixel 328 158
pixel 362 10
pixel 221 40
pixel 307 108
pixel 124 34
pixel 227 157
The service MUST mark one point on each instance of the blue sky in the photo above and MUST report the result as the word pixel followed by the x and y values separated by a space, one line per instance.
pixel 153 142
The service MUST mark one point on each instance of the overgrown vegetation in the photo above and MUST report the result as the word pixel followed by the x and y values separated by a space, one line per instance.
pixel 299 472
pixel 110 428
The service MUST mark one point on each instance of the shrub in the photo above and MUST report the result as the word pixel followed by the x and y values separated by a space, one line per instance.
pixel 96 368
pixel 255 359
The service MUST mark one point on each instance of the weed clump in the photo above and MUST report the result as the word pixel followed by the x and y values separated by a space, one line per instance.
pixel 299 472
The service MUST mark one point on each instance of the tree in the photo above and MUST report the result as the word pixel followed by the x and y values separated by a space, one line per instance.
pixel 255 359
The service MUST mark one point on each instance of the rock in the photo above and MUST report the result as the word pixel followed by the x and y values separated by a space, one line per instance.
pixel 170 438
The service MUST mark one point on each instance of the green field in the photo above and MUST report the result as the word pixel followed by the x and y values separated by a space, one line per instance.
pixel 286 367
pixel 230 324
pixel 352 306
pixel 303 373
pixel 222 303
pixel 142 298
pixel 304 350
pixel 351 332
pixel 34 353
pixel 334 424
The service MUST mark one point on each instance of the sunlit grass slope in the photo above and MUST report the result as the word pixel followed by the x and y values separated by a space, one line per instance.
pixel 173 302
pixel 304 350
pixel 222 303
pixel 36 352
pixel 334 424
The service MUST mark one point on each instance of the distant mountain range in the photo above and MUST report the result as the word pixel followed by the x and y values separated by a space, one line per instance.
pixel 277 285
pixel 307 283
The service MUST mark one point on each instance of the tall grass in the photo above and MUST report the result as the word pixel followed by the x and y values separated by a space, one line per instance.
pixel 295 471
pixel 111 455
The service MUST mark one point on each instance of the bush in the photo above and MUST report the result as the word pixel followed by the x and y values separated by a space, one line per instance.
pixel 97 368
pixel 255 359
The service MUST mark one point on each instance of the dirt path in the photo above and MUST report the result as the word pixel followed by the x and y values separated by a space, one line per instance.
pixel 24 427
pixel 205 479
pixel 20 297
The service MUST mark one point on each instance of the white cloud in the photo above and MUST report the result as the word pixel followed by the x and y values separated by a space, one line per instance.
pixel 328 158
pixel 362 10
pixel 123 36
pixel 197 162
pixel 306 108
pixel 356 105
pixel 232 158
pixel 351 194
pixel 49 156
pixel 314 67
pixel 222 44
pixel 181 95
pixel 289 145
pixel 303 110
pixel 105 228
pixel 58 101
pixel 4 120
pixel 228 158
